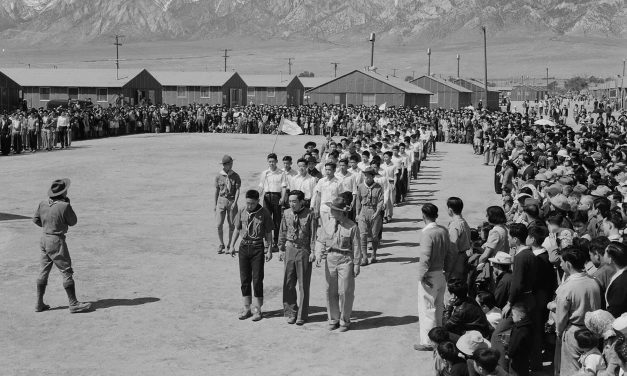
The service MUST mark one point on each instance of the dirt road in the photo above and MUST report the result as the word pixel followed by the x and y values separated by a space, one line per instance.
pixel 144 252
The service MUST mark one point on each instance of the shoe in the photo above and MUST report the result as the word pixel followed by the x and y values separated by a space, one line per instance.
pixel 256 314
pixel 300 322
pixel 79 307
pixel 291 320
pixel 244 314
pixel 343 328
pixel 333 326
pixel 423 348
pixel 41 308
pixel 221 249
pixel 364 262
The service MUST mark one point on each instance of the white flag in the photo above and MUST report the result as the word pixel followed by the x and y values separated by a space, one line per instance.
pixel 382 107
pixel 290 127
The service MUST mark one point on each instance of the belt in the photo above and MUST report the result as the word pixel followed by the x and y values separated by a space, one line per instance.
pixel 334 250
pixel 391 180
pixel 252 241
pixel 272 193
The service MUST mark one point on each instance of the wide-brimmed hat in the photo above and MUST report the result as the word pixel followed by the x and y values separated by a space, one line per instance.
pixel 580 188
pixel 338 203
pixel 370 171
pixel 471 340
pixel 540 177
pixel 226 159
pixel 310 143
pixel 560 202
pixel 59 187
pixel 601 191
pixel 530 201
pixel 502 258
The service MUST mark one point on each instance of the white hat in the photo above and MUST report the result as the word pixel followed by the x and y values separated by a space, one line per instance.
pixel 471 341
pixel 502 258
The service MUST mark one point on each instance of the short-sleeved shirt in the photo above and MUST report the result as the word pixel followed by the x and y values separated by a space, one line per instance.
pixel 347 182
pixel 289 178
pixel 256 224
pixel 272 181
pixel 227 185
pixel 305 184
pixel 497 240
pixel 328 189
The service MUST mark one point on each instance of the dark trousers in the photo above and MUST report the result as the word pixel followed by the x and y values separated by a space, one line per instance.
pixel 401 186
pixel 32 139
pixel 271 202
pixel 539 317
pixel 17 143
pixel 5 143
pixel 415 167
pixel 297 269
pixel 62 137
pixel 502 332
pixel 251 263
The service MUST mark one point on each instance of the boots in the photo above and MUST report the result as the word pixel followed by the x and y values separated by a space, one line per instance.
pixel 257 309
pixel 245 312
pixel 41 290
pixel 75 305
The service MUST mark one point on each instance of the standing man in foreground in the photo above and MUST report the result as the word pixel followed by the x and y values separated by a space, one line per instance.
pixel 228 184
pixel 54 216
pixel 434 248
pixel 339 244
pixel 273 185
pixel 257 225
pixel 296 242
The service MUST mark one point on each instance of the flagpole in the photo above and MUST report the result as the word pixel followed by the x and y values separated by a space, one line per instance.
pixel 278 131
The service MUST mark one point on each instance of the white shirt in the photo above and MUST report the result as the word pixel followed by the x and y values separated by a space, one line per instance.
pixel 272 181
pixel 306 184
pixel 289 176
pixel 328 190
pixel 347 182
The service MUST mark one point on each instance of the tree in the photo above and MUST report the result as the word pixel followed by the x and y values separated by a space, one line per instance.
pixel 306 74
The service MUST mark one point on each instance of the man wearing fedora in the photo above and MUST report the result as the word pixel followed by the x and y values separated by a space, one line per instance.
pixel 338 242
pixel 54 216
pixel 228 184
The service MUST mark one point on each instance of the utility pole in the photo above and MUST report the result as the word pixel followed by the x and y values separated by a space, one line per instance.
pixel 485 66
pixel 547 80
pixel 458 57
pixel 335 68
pixel 394 72
pixel 429 62
pixel 117 45
pixel 289 65
pixel 622 88
pixel 372 39
pixel 226 56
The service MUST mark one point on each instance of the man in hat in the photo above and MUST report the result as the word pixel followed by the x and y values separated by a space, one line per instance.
pixel 54 216
pixel 228 185
pixel 434 251
pixel 370 208
pixel 338 243
pixel 256 222
pixel 296 242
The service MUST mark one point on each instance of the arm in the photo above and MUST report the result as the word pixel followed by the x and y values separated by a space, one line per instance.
pixel 69 215
pixel 562 312
pixel 237 223
pixel 380 201
pixel 356 249
pixel 425 249
pixel 282 234
pixel 357 202
pixel 37 218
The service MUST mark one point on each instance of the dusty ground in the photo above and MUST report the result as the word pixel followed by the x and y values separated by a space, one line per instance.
pixel 166 303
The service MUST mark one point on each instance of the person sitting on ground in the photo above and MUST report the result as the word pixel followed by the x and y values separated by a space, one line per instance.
pixel 486 362
pixel 591 359
pixel 437 336
pixel 463 313
pixel 487 302
pixel 455 366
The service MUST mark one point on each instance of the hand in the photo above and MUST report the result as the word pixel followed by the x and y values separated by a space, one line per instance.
pixel 318 261
pixel 232 251
pixel 312 257
pixel 506 310
pixel 316 214
pixel 268 255
pixel 356 270
pixel 427 282
pixel 281 255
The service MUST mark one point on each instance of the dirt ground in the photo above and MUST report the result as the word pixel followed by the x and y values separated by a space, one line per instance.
pixel 144 253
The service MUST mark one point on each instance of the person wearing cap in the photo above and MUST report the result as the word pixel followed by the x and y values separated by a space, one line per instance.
pixel 370 207
pixel 311 167
pixel 55 216
pixel 578 294
pixel 228 184
pixel 273 185
pixel 256 222
pixel 338 243
pixel 296 242
pixel 434 251
pixel 501 263
pixel 470 342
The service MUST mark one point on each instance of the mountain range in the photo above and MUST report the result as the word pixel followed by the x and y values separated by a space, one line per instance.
pixel 37 22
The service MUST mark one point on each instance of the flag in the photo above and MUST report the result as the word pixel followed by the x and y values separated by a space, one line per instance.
pixel 382 107
pixel 290 127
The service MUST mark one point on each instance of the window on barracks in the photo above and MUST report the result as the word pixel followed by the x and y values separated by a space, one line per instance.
pixel 434 98
pixel 251 92
pixel 271 92
pixel 205 92
pixel 369 99
pixel 72 93
pixel 44 93
pixel 103 95
pixel 181 91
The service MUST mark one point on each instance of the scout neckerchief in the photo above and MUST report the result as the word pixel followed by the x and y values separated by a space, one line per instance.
pixel 249 219
pixel 227 180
